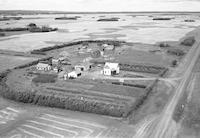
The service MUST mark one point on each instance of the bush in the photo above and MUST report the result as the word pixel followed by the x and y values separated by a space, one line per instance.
pixel 174 63
pixel 188 41
pixel 2 34
pixel 95 54
pixel 177 52
pixel 32 25
pixel 164 45
pixel 45 78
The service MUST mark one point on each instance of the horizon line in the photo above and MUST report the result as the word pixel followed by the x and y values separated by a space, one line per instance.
pixel 103 11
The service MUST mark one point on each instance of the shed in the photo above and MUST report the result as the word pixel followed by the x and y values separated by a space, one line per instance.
pixel 73 74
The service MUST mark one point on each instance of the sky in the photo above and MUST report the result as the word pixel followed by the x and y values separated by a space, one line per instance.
pixel 101 5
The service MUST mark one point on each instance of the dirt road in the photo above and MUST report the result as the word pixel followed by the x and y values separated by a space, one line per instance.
pixel 164 128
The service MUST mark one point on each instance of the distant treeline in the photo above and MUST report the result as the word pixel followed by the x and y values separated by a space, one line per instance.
pixel 108 19
pixel 13 29
pixel 10 18
pixel 161 18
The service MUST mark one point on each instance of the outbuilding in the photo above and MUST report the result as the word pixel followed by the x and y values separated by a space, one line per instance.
pixel 43 67
pixel 111 69
pixel 74 74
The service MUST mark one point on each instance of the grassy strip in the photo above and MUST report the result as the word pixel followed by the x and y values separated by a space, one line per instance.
pixel 180 107
pixel 130 85
pixel 32 63
pixel 141 100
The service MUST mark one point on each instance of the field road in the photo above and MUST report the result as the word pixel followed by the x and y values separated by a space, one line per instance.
pixel 165 125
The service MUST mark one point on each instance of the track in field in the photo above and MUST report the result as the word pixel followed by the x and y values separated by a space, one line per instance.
pixel 8 114
pixel 51 126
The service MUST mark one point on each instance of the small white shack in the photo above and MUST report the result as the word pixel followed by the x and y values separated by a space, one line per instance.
pixel 111 69
pixel 43 66
pixel 74 74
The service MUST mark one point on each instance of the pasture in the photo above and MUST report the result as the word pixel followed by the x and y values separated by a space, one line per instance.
pixel 9 62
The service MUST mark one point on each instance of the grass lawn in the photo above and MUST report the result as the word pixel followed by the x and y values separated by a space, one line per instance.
pixel 137 56
pixel 191 115
pixel 119 90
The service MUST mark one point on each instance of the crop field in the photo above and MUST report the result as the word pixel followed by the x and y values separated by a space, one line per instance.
pixel 57 126
pixel 8 114
pixel 38 122
pixel 120 90
pixel 53 126
pixel 13 61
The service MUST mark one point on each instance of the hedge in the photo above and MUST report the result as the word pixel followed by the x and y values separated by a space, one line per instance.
pixel 110 42
pixel 142 68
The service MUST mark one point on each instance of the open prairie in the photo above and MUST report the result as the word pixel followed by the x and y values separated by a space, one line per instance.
pixel 140 29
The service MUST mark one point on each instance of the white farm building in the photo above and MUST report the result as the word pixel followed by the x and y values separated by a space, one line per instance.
pixel 73 74
pixel 43 66
pixel 111 69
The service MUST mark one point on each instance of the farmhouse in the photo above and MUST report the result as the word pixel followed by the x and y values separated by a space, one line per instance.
pixel 43 66
pixel 111 69
pixel 73 74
